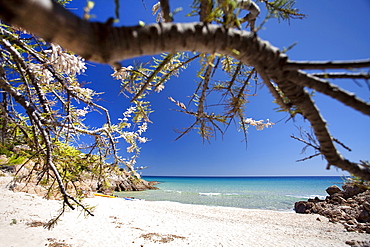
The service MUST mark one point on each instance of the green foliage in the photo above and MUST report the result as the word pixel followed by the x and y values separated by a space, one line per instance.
pixel 5 150
pixel 16 159
pixel 283 10
pixel 140 80
pixel 227 12
pixel 63 2
pixel 71 162
pixel 222 12
pixel 43 107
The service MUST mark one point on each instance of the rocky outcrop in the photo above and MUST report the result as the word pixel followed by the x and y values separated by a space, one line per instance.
pixel 350 206
pixel 124 182
pixel 26 180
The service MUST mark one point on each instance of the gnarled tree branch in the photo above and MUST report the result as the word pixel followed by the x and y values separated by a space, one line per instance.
pixel 106 44
pixel 36 120
pixel 331 90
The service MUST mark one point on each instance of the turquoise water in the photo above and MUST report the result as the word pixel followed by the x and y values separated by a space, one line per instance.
pixel 274 193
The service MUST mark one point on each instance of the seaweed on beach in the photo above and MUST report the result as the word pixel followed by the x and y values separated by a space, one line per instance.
pixel 160 238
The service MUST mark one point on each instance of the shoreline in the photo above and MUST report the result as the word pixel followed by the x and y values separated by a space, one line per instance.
pixel 119 222
pixel 272 193
pixel 215 206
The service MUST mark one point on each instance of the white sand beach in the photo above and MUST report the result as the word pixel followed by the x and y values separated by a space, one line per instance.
pixel 118 222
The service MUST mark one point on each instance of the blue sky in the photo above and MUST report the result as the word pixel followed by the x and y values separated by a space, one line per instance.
pixel 333 30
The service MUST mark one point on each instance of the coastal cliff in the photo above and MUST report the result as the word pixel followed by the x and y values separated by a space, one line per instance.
pixel 349 206
pixel 26 179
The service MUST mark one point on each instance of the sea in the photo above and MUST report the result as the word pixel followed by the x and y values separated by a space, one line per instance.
pixel 271 193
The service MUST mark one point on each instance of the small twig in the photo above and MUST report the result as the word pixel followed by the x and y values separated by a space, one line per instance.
pixel 150 78
pixel 340 143
pixel 305 142
pixel 308 144
pixel 167 75
pixel 309 157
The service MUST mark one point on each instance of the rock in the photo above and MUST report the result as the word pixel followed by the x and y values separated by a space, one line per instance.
pixel 303 207
pixel 333 189
pixel 336 199
pixel 19 148
pixel 316 199
pixel 358 243
pixel 334 215
pixel 352 189
pixel 84 186
pixel 351 201
pixel 366 206
pixel 8 169
pixel 350 207
pixel 30 188
pixel 364 216
pixel 3 159
pixel 351 222
pixel 123 182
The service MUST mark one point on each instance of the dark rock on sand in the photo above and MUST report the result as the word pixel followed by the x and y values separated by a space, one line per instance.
pixel 333 189
pixel 350 206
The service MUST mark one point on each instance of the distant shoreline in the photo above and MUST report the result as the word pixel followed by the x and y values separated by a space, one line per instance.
pixel 236 176
pixel 272 193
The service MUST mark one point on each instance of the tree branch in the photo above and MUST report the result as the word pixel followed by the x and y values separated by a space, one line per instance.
pixel 36 120
pixel 266 80
pixel 303 101
pixel 165 6
pixel 254 11
pixel 322 86
pixel 150 78
pixel 342 75
pixel 17 57
pixel 204 9
pixel 322 65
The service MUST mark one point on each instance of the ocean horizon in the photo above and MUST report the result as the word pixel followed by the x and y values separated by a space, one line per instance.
pixel 253 192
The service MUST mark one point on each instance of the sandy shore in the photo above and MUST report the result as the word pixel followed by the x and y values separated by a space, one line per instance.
pixel 118 222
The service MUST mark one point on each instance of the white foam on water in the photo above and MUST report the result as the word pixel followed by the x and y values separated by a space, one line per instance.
pixel 209 194
pixel 308 196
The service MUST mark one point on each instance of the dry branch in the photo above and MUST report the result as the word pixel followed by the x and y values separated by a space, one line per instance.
pixel 323 65
pixel 342 75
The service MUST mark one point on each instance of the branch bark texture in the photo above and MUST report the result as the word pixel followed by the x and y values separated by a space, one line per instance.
pixel 102 43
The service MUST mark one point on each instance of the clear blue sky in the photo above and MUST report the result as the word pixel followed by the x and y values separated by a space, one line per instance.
pixel 333 30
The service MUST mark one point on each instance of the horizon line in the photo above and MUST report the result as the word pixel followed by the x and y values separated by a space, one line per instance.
pixel 245 175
